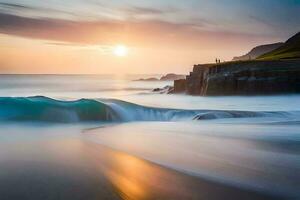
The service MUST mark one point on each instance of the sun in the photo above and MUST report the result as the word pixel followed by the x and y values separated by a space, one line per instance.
pixel 120 50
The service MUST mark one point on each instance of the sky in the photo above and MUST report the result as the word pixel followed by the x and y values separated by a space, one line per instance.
pixel 162 36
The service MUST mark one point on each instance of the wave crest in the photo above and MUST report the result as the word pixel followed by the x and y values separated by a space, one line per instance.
pixel 40 108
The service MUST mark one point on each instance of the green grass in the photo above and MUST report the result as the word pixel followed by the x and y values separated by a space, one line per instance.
pixel 290 50
pixel 282 56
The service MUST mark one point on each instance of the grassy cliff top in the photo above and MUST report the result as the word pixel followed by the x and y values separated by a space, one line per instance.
pixel 250 65
pixel 289 50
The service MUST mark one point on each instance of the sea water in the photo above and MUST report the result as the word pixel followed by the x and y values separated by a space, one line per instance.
pixel 249 142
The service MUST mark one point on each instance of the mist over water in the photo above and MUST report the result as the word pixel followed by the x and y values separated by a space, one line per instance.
pixel 74 87
pixel 248 142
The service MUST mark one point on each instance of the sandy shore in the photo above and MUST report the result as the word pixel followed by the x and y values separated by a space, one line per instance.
pixel 77 169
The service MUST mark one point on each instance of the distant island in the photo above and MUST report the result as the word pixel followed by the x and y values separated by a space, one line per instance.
pixel 167 77
pixel 276 71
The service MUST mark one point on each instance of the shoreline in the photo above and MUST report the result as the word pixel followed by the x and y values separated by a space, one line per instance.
pixel 159 178
pixel 72 168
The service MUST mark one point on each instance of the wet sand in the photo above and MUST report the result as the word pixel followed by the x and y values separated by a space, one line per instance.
pixel 77 169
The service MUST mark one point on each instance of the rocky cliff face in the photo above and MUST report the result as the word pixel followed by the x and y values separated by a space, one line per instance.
pixel 243 78
pixel 179 86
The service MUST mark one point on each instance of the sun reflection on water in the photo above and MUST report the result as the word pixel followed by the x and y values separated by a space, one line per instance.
pixel 126 175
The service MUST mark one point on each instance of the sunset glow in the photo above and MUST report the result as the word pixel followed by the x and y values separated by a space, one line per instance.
pixel 167 36
pixel 120 50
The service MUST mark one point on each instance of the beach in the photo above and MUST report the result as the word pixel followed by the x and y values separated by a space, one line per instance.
pixel 48 167
pixel 107 138
pixel 149 100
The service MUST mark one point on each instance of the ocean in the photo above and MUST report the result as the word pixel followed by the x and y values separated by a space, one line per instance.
pixel 246 142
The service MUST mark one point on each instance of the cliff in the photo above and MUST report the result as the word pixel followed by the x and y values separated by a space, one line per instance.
pixel 242 78
pixel 258 51
pixel 276 72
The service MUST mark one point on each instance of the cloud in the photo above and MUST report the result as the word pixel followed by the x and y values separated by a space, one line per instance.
pixel 56 29
pixel 108 32
pixel 23 10
pixel 262 21
pixel 13 5
pixel 138 10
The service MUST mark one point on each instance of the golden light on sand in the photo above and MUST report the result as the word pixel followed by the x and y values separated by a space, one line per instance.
pixel 120 50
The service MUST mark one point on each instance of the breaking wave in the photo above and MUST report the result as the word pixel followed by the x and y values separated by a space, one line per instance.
pixel 40 108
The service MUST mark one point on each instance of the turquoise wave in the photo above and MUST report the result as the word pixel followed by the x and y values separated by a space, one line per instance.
pixel 44 109
pixel 40 108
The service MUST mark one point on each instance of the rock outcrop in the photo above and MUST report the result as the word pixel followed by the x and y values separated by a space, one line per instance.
pixel 172 77
pixel 165 90
pixel 147 79
pixel 242 78
pixel 167 77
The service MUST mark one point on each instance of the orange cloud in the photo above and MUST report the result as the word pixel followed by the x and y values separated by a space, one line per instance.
pixel 132 32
